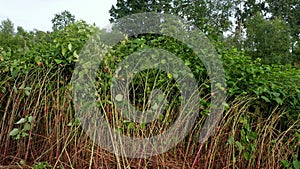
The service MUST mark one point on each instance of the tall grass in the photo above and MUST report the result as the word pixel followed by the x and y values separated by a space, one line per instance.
pixel 243 139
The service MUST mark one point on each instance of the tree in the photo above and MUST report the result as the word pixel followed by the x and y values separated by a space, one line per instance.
pixel 286 10
pixel 128 7
pixel 7 40
pixel 268 39
pixel 289 11
pixel 7 27
pixel 62 20
pixel 135 23
pixel 241 12
pixel 212 17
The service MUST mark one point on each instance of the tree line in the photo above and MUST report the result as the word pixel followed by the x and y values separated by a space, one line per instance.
pixel 264 29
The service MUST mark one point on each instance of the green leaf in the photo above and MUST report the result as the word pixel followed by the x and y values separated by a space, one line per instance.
pixel 143 125
pixel 14 132
pixel 239 146
pixel 161 117
pixel 26 127
pixel 2 89
pixel 58 61
pixel 247 155
pixel 131 125
pixel 296 164
pixel 279 101
pixel 75 54
pixel 22 162
pixel 69 124
pixel 22 120
pixel 77 121
pixel 63 51
pixel 27 93
pixel 265 98
pixel 27 88
pixel 285 163
pixel 70 47
pixel 230 140
pixel 187 63
pixel 29 119
pixel 15 73
pixel 24 134
pixel 169 75
pixel 276 94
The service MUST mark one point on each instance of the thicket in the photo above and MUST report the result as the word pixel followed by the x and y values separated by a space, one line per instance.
pixel 259 128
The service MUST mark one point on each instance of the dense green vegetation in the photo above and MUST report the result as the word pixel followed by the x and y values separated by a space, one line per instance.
pixel 260 127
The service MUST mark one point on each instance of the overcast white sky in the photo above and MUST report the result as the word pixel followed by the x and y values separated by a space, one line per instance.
pixel 37 14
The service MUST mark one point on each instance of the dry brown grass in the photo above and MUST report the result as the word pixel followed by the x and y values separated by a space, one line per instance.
pixel 53 139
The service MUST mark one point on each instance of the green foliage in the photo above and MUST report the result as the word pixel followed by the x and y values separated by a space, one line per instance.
pixel 42 165
pixel 25 53
pixel 288 11
pixel 270 84
pixel 38 49
pixel 248 138
pixel 7 27
pixel 127 7
pixel 211 17
pixel 20 132
pixel 280 22
pixel 62 20
pixel 272 26
pixel 268 39
pixel 67 43
pixel 294 164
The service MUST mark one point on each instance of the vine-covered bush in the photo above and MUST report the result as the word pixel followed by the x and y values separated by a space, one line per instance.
pixel 271 85
pixel 52 49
